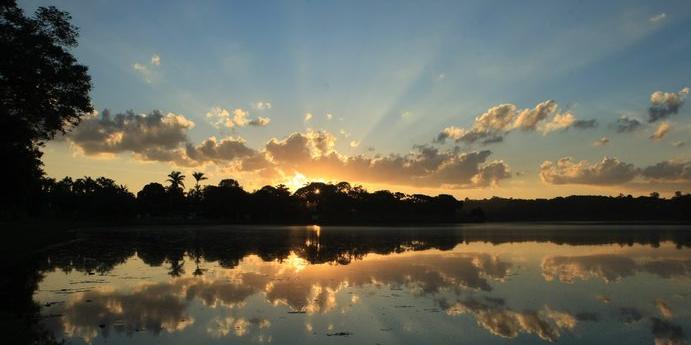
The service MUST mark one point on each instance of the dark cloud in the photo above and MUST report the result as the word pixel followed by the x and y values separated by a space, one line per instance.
pixel 585 124
pixel 669 171
pixel 663 104
pixel 227 149
pixel 138 133
pixel 587 316
pixel 630 315
pixel 667 333
pixel 626 124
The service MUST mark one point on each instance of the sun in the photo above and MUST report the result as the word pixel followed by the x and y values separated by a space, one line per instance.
pixel 296 182
pixel 299 180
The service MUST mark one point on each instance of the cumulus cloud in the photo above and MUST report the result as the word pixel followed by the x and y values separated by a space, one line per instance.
pixel 601 142
pixel 664 104
pixel 608 171
pixel 492 125
pixel 329 116
pixel 222 117
pixel 164 137
pixel 559 122
pixel 354 143
pixel 308 116
pixel 424 166
pixel 211 149
pixel 138 133
pixel 626 124
pixel 661 131
pixel 672 170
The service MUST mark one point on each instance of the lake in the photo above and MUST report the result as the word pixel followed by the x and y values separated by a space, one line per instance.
pixel 465 284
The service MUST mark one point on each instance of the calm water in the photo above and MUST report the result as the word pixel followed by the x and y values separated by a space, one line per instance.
pixel 485 284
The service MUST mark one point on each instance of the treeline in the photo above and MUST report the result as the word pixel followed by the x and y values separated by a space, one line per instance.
pixel 102 199
pixel 582 208
pixel 323 203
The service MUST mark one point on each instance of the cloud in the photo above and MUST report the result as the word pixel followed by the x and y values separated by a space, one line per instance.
pixel 222 117
pixel 329 116
pixel 354 143
pixel 492 125
pixel 559 122
pixel 664 309
pixel 626 124
pixel 658 17
pixel 664 104
pixel 159 137
pixel 609 171
pixel 155 60
pixel 672 170
pixel 144 71
pixel 585 124
pixel 344 133
pixel 260 121
pixel 661 131
pixel 308 116
pixel 601 142
pixel 679 143
pixel 425 166
pixel 262 105
pixel 225 150
pixel 667 333
pixel 138 133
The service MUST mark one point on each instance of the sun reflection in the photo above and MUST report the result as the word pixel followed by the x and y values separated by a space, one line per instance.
pixel 295 262
pixel 317 229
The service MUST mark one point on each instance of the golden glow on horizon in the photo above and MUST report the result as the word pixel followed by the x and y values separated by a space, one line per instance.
pixel 296 182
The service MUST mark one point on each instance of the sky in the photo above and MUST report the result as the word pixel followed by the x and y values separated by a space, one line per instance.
pixel 476 99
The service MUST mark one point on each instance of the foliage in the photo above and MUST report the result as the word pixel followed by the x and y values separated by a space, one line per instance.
pixel 43 92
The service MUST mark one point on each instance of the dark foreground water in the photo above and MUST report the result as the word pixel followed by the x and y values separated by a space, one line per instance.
pixel 483 284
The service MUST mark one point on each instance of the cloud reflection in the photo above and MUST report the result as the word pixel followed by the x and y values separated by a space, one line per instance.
pixel 610 268
pixel 498 319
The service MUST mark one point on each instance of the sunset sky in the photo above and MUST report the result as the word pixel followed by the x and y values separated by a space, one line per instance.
pixel 475 99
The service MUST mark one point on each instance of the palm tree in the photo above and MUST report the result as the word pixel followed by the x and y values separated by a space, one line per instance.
pixel 176 178
pixel 198 176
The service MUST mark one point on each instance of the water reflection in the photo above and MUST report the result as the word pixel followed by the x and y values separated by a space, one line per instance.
pixel 325 285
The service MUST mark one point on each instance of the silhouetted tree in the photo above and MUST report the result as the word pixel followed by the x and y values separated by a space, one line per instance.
pixel 153 199
pixel 176 180
pixel 43 91
pixel 198 177
pixel 227 200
